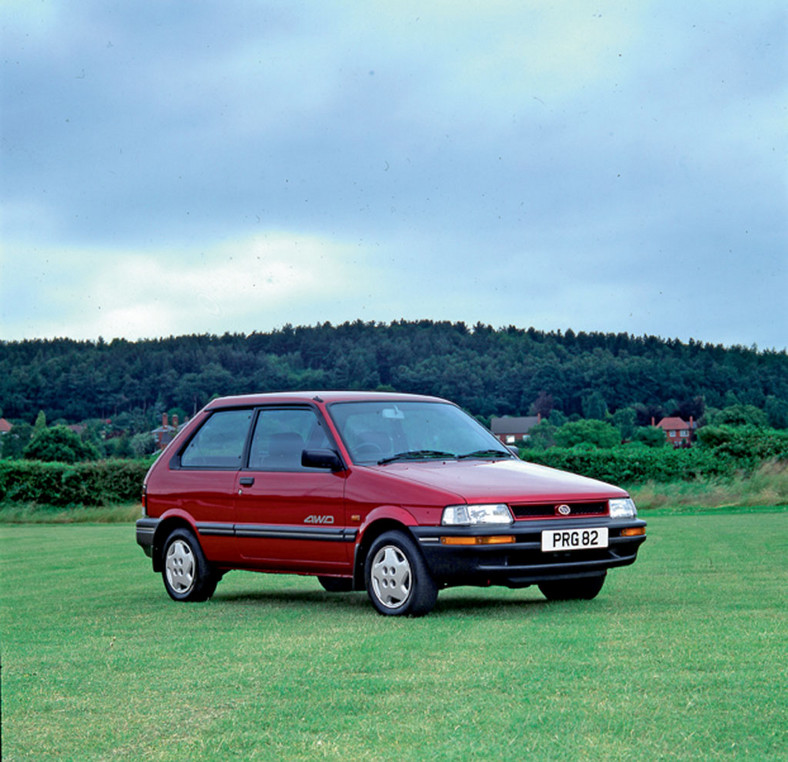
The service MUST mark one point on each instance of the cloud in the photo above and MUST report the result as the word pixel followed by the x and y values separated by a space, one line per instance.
pixel 438 157
pixel 250 283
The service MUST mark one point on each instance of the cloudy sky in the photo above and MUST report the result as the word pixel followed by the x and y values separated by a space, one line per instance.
pixel 185 166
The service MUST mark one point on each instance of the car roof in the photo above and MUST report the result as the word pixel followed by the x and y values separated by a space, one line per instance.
pixel 320 397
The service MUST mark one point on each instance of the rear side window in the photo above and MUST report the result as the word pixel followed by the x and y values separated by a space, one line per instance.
pixel 220 441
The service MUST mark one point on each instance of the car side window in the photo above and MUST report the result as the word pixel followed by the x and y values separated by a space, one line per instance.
pixel 220 441
pixel 281 435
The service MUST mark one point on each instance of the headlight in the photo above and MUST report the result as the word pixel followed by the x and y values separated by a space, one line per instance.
pixel 622 508
pixel 468 515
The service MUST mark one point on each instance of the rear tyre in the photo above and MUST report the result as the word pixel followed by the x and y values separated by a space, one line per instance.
pixel 397 579
pixel 583 589
pixel 336 584
pixel 187 575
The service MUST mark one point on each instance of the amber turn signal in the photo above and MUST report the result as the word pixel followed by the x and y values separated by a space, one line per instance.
pixel 498 539
pixel 633 531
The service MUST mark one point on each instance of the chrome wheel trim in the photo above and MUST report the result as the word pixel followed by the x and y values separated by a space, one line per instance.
pixel 180 567
pixel 391 577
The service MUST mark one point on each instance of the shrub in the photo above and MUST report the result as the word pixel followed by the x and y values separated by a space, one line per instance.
pixel 143 444
pixel 633 465
pixel 748 445
pixel 59 444
pixel 542 436
pixel 651 436
pixel 60 484
pixel 589 431
pixel 722 451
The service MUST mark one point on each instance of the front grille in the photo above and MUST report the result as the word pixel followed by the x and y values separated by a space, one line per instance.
pixel 549 510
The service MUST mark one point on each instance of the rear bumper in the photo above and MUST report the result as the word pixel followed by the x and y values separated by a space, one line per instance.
pixel 146 531
pixel 522 562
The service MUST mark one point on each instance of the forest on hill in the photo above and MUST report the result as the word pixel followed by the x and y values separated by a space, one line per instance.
pixel 504 371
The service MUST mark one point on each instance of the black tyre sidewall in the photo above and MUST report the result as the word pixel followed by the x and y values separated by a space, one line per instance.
pixel 336 584
pixel 424 591
pixel 584 589
pixel 205 579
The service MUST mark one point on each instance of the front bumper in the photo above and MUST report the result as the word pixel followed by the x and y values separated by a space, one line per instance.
pixel 522 562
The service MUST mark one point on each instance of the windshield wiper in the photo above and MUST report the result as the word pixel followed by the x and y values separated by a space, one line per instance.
pixel 486 454
pixel 417 455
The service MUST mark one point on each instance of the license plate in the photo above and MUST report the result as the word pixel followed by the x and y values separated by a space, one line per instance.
pixel 573 539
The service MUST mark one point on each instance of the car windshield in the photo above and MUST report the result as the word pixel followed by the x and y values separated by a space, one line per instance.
pixel 386 432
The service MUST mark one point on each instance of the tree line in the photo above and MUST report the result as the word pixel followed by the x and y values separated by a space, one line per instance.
pixel 489 371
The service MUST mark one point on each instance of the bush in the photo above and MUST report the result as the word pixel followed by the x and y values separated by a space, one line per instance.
pixel 59 444
pixel 749 445
pixel 143 444
pixel 60 484
pixel 650 436
pixel 541 436
pixel 722 451
pixel 633 464
pixel 590 432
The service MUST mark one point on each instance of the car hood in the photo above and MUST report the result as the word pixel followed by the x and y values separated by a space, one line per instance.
pixel 505 481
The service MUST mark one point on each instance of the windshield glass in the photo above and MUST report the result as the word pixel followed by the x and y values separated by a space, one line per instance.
pixel 381 432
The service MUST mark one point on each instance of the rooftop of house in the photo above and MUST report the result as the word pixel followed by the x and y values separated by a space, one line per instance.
pixel 673 423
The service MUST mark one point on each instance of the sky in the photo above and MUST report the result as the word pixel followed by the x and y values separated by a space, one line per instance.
pixel 172 167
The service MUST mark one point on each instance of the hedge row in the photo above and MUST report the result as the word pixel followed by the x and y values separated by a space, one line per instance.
pixel 636 465
pixel 120 481
pixel 96 483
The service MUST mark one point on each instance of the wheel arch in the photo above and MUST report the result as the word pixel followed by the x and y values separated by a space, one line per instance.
pixel 371 533
pixel 163 530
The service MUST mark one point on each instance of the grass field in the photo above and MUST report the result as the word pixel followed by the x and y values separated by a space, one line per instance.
pixel 682 656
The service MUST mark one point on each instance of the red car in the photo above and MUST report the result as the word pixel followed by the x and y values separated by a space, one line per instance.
pixel 401 495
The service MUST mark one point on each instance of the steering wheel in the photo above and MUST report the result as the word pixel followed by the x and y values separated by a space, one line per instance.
pixel 368 450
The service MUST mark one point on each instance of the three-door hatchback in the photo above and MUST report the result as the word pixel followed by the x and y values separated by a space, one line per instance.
pixel 400 495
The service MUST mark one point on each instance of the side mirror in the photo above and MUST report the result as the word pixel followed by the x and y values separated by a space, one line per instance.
pixel 322 459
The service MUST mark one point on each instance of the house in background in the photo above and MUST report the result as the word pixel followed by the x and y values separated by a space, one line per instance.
pixel 166 432
pixel 678 432
pixel 5 426
pixel 511 429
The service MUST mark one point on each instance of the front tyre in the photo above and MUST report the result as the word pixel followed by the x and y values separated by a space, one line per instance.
pixel 397 579
pixel 187 575
pixel 583 589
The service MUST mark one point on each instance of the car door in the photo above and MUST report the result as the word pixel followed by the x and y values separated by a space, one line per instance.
pixel 288 516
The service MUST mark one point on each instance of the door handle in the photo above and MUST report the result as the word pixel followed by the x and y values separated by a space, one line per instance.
pixel 246 481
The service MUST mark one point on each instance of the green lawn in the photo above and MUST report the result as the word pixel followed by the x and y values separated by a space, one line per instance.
pixel 682 656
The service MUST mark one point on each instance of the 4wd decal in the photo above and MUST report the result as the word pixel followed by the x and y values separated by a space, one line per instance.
pixel 313 519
